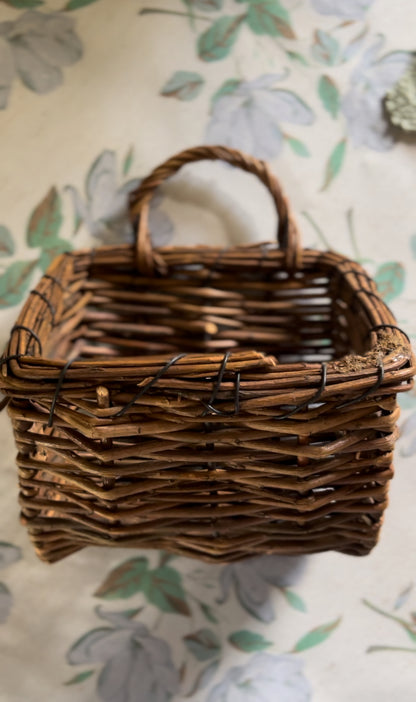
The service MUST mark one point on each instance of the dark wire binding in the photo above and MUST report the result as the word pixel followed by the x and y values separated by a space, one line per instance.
pixel 369 390
pixel 58 389
pixel 32 334
pixel 315 398
pixel 237 381
pixel 236 411
pixel 47 302
pixel 368 292
pixel 54 280
pixel 218 382
pixel 389 326
pixel 149 385
pixel 13 357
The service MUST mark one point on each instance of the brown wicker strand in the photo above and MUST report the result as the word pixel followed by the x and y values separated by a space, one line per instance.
pixel 288 236
pixel 213 402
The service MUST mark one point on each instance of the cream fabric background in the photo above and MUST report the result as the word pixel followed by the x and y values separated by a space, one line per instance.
pixel 110 101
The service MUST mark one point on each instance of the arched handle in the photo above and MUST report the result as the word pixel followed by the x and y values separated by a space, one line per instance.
pixel 287 233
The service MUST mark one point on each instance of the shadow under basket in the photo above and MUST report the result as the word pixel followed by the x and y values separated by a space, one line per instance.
pixel 143 417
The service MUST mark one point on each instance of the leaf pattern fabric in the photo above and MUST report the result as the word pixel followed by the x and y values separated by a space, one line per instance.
pixel 247 116
pixel 36 47
pixel 362 105
pixel 137 665
pixel 354 9
pixel 8 554
pixel 94 94
pixel 104 210
pixel 252 579
pixel 266 677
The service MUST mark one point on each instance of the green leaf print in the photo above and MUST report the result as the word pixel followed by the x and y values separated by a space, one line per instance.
pixel 298 147
pixel 294 599
pixel 207 611
pixel 206 5
pixel 329 94
pixel 183 85
pixel 248 641
pixel 334 164
pixel 217 42
pixel 45 220
pixel 128 160
pixel 163 588
pixel 189 4
pixel 203 644
pixel 80 677
pixel 15 281
pixel 6 242
pixel 125 580
pixel 325 48
pixel 269 17
pixel 316 636
pixel 77 4
pixel 295 56
pixel 226 88
pixel 390 279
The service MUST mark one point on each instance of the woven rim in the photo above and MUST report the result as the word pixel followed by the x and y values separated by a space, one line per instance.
pixel 23 360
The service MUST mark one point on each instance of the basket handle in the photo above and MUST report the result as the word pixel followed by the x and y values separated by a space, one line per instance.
pixel 287 234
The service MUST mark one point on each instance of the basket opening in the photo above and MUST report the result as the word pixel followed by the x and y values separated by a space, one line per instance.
pixel 195 309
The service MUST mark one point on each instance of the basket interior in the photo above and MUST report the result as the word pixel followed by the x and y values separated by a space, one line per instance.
pixel 198 308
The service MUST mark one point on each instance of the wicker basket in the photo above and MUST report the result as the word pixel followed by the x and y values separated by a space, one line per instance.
pixel 143 417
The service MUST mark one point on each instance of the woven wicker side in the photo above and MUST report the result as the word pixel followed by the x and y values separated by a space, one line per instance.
pixel 170 473
pixel 216 403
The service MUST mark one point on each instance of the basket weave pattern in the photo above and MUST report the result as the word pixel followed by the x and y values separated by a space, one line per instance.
pixel 216 403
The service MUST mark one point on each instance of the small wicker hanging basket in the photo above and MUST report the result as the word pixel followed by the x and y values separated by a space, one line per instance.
pixel 216 403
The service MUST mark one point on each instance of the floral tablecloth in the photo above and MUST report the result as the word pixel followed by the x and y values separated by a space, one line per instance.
pixel 94 93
